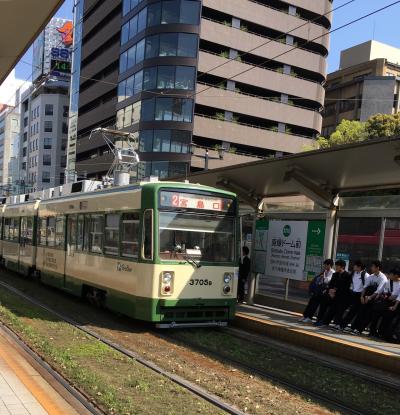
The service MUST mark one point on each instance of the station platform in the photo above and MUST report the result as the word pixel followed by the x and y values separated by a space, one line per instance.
pixel 284 326
pixel 23 390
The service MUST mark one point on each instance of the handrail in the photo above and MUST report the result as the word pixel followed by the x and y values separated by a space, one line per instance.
pixel 287 12
pixel 260 97
pixel 251 126
pixel 259 66
pixel 237 153
pixel 263 36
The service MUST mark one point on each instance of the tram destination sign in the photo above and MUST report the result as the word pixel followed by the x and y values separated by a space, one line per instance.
pixel 183 200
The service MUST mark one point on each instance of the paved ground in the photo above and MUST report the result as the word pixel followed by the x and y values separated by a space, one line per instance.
pixel 291 320
pixel 22 389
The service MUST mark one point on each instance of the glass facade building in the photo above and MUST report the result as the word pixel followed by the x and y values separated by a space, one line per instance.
pixel 157 78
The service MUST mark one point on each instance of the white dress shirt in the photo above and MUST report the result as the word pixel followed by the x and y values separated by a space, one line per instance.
pixel 395 292
pixel 380 279
pixel 357 284
pixel 328 276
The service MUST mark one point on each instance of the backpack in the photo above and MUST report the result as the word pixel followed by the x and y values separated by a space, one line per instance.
pixel 316 288
pixel 362 276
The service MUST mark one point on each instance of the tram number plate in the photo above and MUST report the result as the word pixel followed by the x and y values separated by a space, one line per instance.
pixel 197 281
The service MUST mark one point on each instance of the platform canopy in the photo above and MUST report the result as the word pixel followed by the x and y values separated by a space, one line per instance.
pixel 320 175
pixel 21 23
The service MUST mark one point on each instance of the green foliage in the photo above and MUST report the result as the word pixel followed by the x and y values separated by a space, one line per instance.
pixel 383 125
pixel 347 132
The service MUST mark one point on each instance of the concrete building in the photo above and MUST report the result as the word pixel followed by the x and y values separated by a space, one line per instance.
pixel 9 132
pixel 197 75
pixel 44 133
pixel 366 83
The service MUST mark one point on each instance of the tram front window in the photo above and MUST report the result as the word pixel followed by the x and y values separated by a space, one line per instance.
pixel 207 238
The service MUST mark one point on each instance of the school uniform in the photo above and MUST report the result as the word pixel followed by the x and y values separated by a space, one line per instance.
pixel 387 316
pixel 336 305
pixel 375 284
pixel 317 290
pixel 358 280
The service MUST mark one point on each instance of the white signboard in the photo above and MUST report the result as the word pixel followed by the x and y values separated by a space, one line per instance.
pixel 286 253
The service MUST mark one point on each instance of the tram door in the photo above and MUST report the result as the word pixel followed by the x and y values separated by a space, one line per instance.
pixel 72 224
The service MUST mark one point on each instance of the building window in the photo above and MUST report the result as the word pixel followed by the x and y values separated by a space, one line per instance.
pixel 25 137
pixel 46 177
pixel 64 128
pixel 65 111
pixel 25 121
pixel 47 143
pixel 24 150
pixel 46 159
pixel 48 126
pixel 48 109
pixel 173 141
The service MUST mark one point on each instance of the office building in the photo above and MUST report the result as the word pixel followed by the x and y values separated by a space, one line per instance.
pixel 43 136
pixel 367 83
pixel 195 75
pixel 9 132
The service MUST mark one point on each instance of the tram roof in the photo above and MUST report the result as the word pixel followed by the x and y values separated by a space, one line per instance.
pixel 370 165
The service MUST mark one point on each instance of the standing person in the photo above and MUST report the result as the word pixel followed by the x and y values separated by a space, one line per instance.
pixel 358 277
pixel 337 298
pixel 317 289
pixel 244 271
pixel 374 286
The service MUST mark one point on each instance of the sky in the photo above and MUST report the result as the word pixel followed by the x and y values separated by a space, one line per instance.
pixel 381 27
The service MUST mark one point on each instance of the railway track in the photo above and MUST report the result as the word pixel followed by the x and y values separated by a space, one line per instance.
pixel 131 354
pixel 323 398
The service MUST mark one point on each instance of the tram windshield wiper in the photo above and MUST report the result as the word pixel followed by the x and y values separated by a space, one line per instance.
pixel 188 258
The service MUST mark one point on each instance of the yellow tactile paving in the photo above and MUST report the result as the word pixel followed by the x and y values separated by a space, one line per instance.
pixel 22 390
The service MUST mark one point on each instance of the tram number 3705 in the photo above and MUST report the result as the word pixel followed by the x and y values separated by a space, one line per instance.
pixel 197 281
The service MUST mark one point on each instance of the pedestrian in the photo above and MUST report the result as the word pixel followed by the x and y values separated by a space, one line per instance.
pixel 337 298
pixel 317 289
pixel 374 286
pixel 358 279
pixel 244 271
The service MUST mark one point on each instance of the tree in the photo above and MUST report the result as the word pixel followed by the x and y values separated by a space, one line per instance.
pixel 347 132
pixel 383 125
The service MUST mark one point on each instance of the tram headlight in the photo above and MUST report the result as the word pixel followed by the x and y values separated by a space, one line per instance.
pixel 167 278
pixel 227 278
pixel 166 283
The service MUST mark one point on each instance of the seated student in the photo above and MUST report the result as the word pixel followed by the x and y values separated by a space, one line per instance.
pixel 374 286
pixel 390 310
pixel 358 276
pixel 317 289
pixel 335 301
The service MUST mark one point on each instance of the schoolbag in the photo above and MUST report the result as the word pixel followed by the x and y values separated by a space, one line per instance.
pixel 362 276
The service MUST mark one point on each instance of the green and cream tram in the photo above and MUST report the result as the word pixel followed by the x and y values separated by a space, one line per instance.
pixel 160 251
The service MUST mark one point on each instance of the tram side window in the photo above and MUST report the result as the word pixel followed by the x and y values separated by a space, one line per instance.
pixel 80 233
pixel 14 229
pixel 130 235
pixel 59 232
pixel 29 231
pixel 148 235
pixel 23 231
pixel 96 234
pixel 42 231
pixel 111 234
pixel 71 232
pixel 6 228
pixel 51 231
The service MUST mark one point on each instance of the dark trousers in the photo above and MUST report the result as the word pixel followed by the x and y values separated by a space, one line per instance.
pixel 313 304
pixel 241 290
pixel 363 317
pixel 335 310
pixel 388 323
pixel 378 310
pixel 354 308
pixel 325 303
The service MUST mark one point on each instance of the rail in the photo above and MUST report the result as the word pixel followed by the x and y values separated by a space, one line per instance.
pixel 252 126
pixel 260 97
pixel 241 60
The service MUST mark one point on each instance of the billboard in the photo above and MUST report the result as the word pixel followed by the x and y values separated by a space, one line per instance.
pixel 52 50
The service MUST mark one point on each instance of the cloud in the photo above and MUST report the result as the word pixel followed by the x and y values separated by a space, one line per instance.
pixel 9 88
